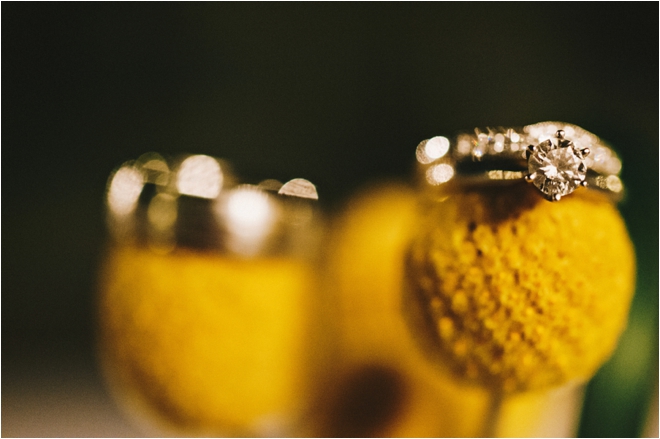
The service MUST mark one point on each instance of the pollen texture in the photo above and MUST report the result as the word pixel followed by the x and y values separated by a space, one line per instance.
pixel 518 293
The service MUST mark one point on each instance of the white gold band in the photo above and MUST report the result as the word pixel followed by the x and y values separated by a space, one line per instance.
pixel 557 157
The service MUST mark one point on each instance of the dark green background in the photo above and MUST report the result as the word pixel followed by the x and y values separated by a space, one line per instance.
pixel 337 93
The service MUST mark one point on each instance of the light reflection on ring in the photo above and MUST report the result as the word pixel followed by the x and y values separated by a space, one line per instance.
pixel 248 214
pixel 124 190
pixel 199 176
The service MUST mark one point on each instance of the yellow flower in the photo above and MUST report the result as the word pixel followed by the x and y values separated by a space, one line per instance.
pixel 401 394
pixel 471 245
pixel 519 293
pixel 205 343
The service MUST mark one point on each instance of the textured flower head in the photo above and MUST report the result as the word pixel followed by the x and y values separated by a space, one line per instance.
pixel 519 294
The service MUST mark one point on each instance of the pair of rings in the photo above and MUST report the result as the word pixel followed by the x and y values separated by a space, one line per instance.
pixel 556 157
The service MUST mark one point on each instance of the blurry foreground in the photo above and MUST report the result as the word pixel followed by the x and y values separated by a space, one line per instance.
pixel 224 330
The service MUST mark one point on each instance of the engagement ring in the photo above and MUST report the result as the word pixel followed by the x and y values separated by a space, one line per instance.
pixel 556 157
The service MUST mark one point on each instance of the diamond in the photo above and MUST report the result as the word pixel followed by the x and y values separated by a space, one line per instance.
pixel 555 167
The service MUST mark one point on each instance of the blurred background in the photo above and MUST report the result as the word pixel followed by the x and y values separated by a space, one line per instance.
pixel 339 94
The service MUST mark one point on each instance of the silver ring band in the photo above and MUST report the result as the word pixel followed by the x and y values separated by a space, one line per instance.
pixel 556 157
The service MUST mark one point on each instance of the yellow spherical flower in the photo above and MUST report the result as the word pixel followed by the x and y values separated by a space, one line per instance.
pixel 518 293
pixel 388 387
pixel 207 343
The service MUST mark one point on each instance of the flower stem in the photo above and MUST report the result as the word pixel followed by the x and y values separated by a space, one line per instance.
pixel 492 415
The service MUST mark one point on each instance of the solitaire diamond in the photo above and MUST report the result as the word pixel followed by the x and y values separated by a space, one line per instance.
pixel 560 158
pixel 556 167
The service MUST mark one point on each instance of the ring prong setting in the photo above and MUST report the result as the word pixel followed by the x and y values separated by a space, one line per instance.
pixel 556 166
pixel 583 152
pixel 529 151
